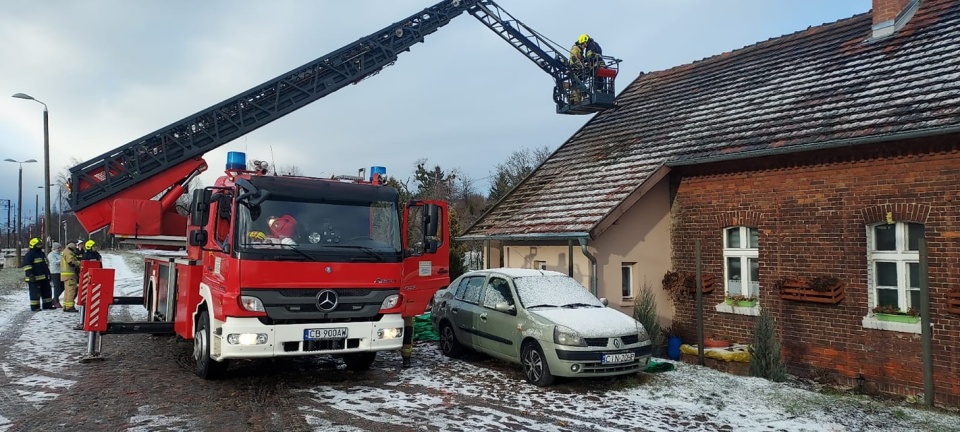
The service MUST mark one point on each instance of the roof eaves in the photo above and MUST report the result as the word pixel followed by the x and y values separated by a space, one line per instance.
pixel 525 237
pixel 850 142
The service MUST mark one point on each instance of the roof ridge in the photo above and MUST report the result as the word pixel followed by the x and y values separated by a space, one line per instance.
pixel 726 55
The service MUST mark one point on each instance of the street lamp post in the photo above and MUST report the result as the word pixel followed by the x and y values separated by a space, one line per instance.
pixel 46 166
pixel 48 234
pixel 20 207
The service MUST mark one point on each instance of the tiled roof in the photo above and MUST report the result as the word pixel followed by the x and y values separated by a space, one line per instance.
pixel 826 84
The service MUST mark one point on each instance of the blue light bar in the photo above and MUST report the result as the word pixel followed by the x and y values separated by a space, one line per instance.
pixel 236 161
pixel 374 170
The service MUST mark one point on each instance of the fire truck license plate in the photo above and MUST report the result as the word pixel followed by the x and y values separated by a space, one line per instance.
pixel 330 333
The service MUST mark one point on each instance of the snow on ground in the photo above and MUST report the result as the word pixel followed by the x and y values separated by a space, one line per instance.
pixel 689 398
pixel 43 361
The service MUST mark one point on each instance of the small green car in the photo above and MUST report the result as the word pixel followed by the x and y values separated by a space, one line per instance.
pixel 544 320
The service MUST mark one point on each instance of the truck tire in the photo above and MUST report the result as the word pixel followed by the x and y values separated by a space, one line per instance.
pixel 359 362
pixel 207 368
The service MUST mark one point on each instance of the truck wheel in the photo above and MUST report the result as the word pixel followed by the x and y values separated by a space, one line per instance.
pixel 359 362
pixel 207 368
pixel 449 345
pixel 535 367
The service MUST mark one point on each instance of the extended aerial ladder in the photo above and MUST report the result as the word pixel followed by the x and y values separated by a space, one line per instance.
pixel 157 167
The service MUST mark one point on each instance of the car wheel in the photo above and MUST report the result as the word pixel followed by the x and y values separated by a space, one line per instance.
pixel 359 362
pixel 449 345
pixel 206 367
pixel 535 367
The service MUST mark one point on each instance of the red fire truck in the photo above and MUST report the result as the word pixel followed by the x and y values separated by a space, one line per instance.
pixel 280 265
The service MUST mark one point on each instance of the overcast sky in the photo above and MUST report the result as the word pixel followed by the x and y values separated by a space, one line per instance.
pixel 112 71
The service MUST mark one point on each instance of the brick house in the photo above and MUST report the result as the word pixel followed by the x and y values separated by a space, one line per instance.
pixel 828 152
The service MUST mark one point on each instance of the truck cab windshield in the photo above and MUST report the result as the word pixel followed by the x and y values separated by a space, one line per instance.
pixel 331 231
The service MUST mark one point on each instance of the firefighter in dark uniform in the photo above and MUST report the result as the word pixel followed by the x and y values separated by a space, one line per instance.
pixel 37 274
pixel 90 251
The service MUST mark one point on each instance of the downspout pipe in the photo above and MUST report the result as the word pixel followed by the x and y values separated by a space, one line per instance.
pixel 593 265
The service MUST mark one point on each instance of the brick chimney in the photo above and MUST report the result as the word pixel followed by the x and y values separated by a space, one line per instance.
pixel 890 15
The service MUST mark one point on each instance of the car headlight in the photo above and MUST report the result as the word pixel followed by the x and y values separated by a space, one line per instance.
pixel 642 332
pixel 567 336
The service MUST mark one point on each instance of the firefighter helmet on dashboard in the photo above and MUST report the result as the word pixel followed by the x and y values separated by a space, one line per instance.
pixel 283 226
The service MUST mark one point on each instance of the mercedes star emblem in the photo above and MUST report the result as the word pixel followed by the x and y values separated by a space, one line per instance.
pixel 327 300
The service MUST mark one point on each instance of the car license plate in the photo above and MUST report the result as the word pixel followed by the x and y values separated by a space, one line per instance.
pixel 330 333
pixel 618 358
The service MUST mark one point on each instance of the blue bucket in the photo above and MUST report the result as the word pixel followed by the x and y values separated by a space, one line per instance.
pixel 673 347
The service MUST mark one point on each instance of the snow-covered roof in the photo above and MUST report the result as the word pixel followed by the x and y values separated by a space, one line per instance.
pixel 827 85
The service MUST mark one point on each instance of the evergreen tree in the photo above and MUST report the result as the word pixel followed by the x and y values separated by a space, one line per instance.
pixel 765 360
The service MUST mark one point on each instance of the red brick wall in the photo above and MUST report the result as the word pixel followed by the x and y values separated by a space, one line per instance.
pixel 811 210
pixel 884 10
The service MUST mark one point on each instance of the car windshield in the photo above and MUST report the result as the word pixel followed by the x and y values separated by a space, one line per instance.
pixel 329 231
pixel 553 291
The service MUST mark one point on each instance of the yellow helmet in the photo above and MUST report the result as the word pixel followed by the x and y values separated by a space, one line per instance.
pixel 89 244
pixel 583 38
pixel 34 242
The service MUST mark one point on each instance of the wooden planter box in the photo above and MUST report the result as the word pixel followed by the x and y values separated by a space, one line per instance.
pixel 801 292
pixel 953 302
pixel 709 283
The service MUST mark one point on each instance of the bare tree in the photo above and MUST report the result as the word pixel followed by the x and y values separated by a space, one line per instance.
pixel 516 168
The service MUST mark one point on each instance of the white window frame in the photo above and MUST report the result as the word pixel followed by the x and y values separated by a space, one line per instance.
pixel 627 269
pixel 539 265
pixel 902 257
pixel 745 254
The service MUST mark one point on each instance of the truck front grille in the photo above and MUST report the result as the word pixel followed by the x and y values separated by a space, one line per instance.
pixel 300 305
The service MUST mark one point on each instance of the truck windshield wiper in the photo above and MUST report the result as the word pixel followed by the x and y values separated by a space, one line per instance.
pixel 295 249
pixel 365 249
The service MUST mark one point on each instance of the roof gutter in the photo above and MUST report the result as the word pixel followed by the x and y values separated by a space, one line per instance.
pixel 525 237
pixel 593 265
pixel 921 133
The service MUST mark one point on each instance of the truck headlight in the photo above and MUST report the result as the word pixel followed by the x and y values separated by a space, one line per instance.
pixel 252 304
pixel 567 336
pixel 390 302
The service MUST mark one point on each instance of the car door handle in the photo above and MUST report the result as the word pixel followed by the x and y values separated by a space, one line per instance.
pixel 454 310
pixel 483 317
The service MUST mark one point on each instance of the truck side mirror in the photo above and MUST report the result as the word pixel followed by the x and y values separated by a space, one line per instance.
pixel 431 246
pixel 431 223
pixel 200 207
pixel 198 237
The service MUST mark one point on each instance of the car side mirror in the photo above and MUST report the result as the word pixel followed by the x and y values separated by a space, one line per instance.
pixel 505 308
pixel 604 301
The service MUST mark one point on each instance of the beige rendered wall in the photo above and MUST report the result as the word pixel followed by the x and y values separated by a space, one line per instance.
pixel 640 236
pixel 555 257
